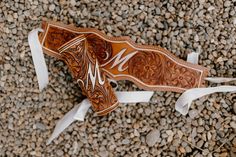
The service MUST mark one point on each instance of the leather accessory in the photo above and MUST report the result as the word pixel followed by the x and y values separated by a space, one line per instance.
pixel 149 67
pixel 116 58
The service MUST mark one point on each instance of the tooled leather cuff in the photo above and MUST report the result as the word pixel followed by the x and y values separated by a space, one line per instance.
pixel 149 67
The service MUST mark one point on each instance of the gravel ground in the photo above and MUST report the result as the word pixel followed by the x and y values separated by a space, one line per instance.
pixel 27 117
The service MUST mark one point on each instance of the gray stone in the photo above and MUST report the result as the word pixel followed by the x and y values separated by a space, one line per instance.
pixel 193 113
pixel 73 2
pixel 211 8
pixel 10 18
pixel 200 143
pixel 233 124
pixel 171 9
pixel 7 66
pixel 125 141
pixel 181 23
pixel 103 154
pixel 40 126
pixel 59 152
pixel 52 7
pixel 152 137
pixel 227 3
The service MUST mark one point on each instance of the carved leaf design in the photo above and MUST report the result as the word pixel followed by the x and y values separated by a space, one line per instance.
pixel 99 48
pixel 78 57
pixel 57 37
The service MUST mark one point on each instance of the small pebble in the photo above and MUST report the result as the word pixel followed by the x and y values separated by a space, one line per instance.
pixel 52 7
pixel 7 66
pixel 125 141
pixel 233 124
pixel 193 113
pixel 59 152
pixel 152 137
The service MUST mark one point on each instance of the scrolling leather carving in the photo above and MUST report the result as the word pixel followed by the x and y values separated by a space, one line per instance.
pixel 86 70
pixel 101 49
pixel 58 37
pixel 153 68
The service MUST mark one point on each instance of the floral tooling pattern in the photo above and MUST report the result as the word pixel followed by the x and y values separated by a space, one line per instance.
pixel 57 37
pixel 78 58
pixel 101 49
pixel 153 68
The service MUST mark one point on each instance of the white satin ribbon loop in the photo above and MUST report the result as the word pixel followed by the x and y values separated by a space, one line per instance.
pixel 134 96
pixel 38 58
pixel 123 97
pixel 219 79
pixel 64 122
pixel 80 110
pixel 184 102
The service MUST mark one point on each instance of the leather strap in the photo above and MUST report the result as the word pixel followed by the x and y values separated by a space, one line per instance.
pixel 149 67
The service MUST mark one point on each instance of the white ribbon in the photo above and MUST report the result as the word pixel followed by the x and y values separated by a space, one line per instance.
pixel 38 58
pixel 80 110
pixel 219 79
pixel 185 100
pixel 65 121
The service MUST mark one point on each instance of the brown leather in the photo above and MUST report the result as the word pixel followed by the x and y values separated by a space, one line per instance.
pixel 83 64
pixel 149 67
